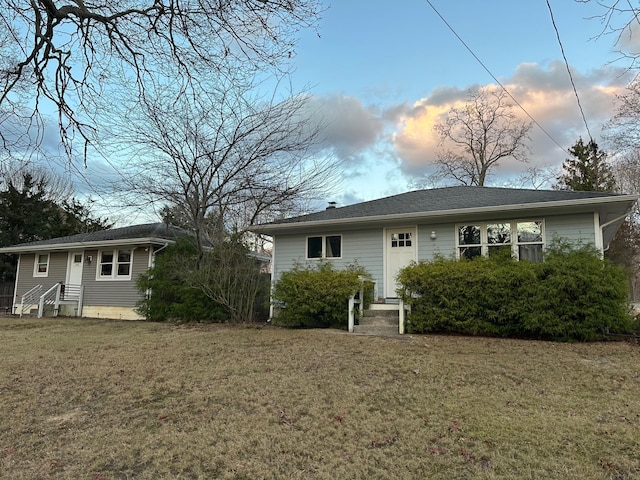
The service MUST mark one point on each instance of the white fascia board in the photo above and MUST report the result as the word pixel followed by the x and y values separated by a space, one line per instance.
pixel 440 214
pixel 52 247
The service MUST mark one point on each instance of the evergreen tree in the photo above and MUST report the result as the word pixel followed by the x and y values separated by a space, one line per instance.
pixel 28 215
pixel 586 169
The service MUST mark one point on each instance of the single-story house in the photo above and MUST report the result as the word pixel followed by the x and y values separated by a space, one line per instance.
pixel 385 235
pixel 88 274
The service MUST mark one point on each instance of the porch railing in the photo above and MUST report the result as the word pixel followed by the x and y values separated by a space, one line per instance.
pixel 358 299
pixel 30 299
pixel 50 300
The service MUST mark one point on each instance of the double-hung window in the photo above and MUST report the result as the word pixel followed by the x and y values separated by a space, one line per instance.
pixel 522 238
pixel 41 265
pixel 324 246
pixel 530 240
pixel 114 265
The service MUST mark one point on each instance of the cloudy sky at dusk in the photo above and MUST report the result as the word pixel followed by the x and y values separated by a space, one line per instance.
pixel 383 74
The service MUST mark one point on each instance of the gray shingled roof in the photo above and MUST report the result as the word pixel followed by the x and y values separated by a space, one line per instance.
pixel 159 231
pixel 442 199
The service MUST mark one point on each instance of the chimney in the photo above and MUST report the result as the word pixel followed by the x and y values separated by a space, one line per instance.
pixel 331 205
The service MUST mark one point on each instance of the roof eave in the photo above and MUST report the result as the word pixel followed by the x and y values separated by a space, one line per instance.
pixel 91 244
pixel 576 204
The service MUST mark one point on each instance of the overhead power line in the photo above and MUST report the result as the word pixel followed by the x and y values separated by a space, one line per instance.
pixel 566 62
pixel 494 77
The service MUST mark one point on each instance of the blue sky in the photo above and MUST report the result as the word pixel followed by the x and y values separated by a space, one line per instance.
pixel 384 73
pixel 377 66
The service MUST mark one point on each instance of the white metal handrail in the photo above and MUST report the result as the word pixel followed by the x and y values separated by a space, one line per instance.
pixel 358 299
pixel 30 298
pixel 50 297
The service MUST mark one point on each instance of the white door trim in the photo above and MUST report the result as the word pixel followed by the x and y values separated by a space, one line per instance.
pixel 69 278
pixel 390 268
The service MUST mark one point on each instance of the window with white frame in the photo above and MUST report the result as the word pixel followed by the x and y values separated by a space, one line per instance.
pixel 522 238
pixel 324 246
pixel 41 265
pixel 529 236
pixel 114 265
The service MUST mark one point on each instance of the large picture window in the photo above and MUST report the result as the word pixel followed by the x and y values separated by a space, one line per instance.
pixel 114 265
pixel 41 265
pixel 324 246
pixel 522 238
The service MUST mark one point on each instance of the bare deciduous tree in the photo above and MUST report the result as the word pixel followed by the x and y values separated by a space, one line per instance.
pixel 625 246
pixel 71 52
pixel 623 130
pixel 619 19
pixel 476 137
pixel 227 160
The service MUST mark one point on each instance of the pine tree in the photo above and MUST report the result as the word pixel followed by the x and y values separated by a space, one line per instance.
pixel 586 169
pixel 28 215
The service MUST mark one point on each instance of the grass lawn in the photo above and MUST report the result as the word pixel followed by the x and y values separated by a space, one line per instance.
pixel 99 400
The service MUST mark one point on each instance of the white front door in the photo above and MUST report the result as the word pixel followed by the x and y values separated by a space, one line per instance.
pixel 400 252
pixel 74 271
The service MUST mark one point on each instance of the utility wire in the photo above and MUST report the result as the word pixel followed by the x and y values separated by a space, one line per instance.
pixel 494 77
pixel 566 62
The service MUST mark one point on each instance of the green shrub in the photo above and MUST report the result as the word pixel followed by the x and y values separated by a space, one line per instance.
pixel 579 296
pixel 316 296
pixel 167 294
pixel 572 295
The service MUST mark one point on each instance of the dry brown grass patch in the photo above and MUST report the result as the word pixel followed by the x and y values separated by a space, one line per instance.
pixel 121 400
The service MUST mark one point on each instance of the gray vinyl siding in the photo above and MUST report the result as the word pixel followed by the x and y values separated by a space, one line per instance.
pixel 444 244
pixel 578 228
pixel 57 272
pixel 364 247
pixel 116 293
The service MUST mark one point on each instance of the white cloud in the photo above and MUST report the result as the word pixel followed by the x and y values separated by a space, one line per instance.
pixel 545 92
pixel 348 126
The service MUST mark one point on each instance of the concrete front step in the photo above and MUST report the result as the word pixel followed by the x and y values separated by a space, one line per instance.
pixel 381 313
pixel 381 330
pixel 378 320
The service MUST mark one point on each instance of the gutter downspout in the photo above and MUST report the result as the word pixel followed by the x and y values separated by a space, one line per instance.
pixel 604 225
pixel 155 252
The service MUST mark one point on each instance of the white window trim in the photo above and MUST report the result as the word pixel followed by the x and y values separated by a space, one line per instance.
pixel 36 273
pixel 114 277
pixel 484 240
pixel 324 247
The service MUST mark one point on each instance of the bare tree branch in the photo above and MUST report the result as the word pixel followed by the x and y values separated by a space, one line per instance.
pixel 229 160
pixel 70 53
pixel 476 137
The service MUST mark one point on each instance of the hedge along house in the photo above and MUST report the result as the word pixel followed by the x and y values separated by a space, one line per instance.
pixel 89 274
pixel 385 235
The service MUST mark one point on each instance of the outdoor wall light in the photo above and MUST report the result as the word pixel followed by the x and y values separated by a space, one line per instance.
pixel 89 259
pixel 433 235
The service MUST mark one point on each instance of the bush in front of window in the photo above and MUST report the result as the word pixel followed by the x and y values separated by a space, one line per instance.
pixel 168 297
pixel 317 295
pixel 572 295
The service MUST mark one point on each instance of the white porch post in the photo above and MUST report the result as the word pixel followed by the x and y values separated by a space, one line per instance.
pixel 401 316
pixel 351 313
